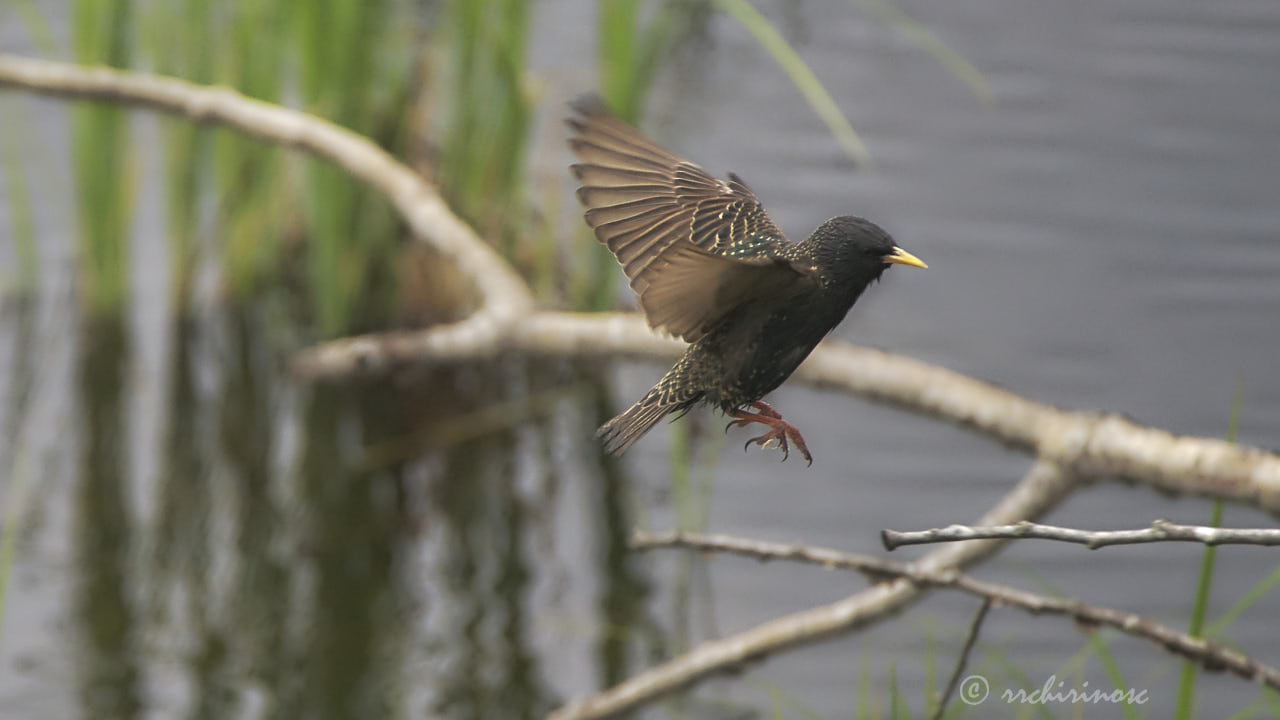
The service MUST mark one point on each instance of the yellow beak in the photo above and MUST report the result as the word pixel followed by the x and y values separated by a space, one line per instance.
pixel 902 257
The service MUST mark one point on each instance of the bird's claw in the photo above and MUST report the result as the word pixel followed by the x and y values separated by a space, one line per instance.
pixel 781 432
pixel 770 438
pixel 780 436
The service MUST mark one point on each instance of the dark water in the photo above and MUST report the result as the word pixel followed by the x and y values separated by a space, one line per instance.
pixel 203 538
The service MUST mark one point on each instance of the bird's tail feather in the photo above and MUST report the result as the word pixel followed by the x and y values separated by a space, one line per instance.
pixel 624 430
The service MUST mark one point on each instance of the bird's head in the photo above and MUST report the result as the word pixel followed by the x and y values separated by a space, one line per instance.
pixel 855 251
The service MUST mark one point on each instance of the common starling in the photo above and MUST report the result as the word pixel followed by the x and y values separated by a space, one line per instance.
pixel 710 267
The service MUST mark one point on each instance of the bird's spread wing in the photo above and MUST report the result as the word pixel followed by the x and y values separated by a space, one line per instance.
pixel 692 246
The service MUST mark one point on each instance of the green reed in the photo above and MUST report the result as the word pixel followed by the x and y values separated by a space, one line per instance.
pixel 16 184
pixel 952 61
pixel 485 144
pixel 186 146
pixel 350 61
pixel 22 224
pixel 356 68
pixel 631 47
pixel 101 32
pixel 1185 708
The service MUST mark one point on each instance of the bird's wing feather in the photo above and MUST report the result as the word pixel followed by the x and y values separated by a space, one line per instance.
pixel 687 289
pixel 654 209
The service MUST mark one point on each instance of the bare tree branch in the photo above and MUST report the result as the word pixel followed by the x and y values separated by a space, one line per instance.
pixel 972 639
pixel 1160 531
pixel 1209 654
pixel 1092 444
pixel 1044 487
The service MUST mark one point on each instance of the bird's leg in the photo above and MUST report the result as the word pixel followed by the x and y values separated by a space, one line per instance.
pixel 781 430
pixel 763 409
pixel 766 409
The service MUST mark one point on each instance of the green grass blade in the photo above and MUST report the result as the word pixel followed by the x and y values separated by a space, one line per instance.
pixel 1195 628
pixel 1015 676
pixel 619 70
pixel 1203 586
pixel 780 699
pixel 180 37
pixel 17 493
pixel 1099 646
pixel 1266 705
pixel 862 707
pixel 23 223
pixel 801 76
pixel 930 690
pixel 1247 600
pixel 776 699
pixel 681 454
pixel 950 60
pixel 898 708
pixel 37 27
pixel 102 33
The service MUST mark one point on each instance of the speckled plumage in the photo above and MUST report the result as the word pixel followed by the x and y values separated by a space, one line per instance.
pixel 710 266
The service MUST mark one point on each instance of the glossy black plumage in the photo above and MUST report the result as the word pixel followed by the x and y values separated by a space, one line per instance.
pixel 709 266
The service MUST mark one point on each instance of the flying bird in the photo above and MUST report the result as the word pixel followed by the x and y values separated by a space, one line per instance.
pixel 709 266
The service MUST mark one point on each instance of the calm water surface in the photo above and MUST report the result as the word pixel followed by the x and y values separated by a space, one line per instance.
pixel 1103 235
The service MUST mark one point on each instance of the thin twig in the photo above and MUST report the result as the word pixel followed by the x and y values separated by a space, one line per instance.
pixel 1212 656
pixel 1160 531
pixel 1045 486
pixel 974 628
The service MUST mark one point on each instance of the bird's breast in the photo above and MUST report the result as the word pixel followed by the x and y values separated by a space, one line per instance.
pixel 761 350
